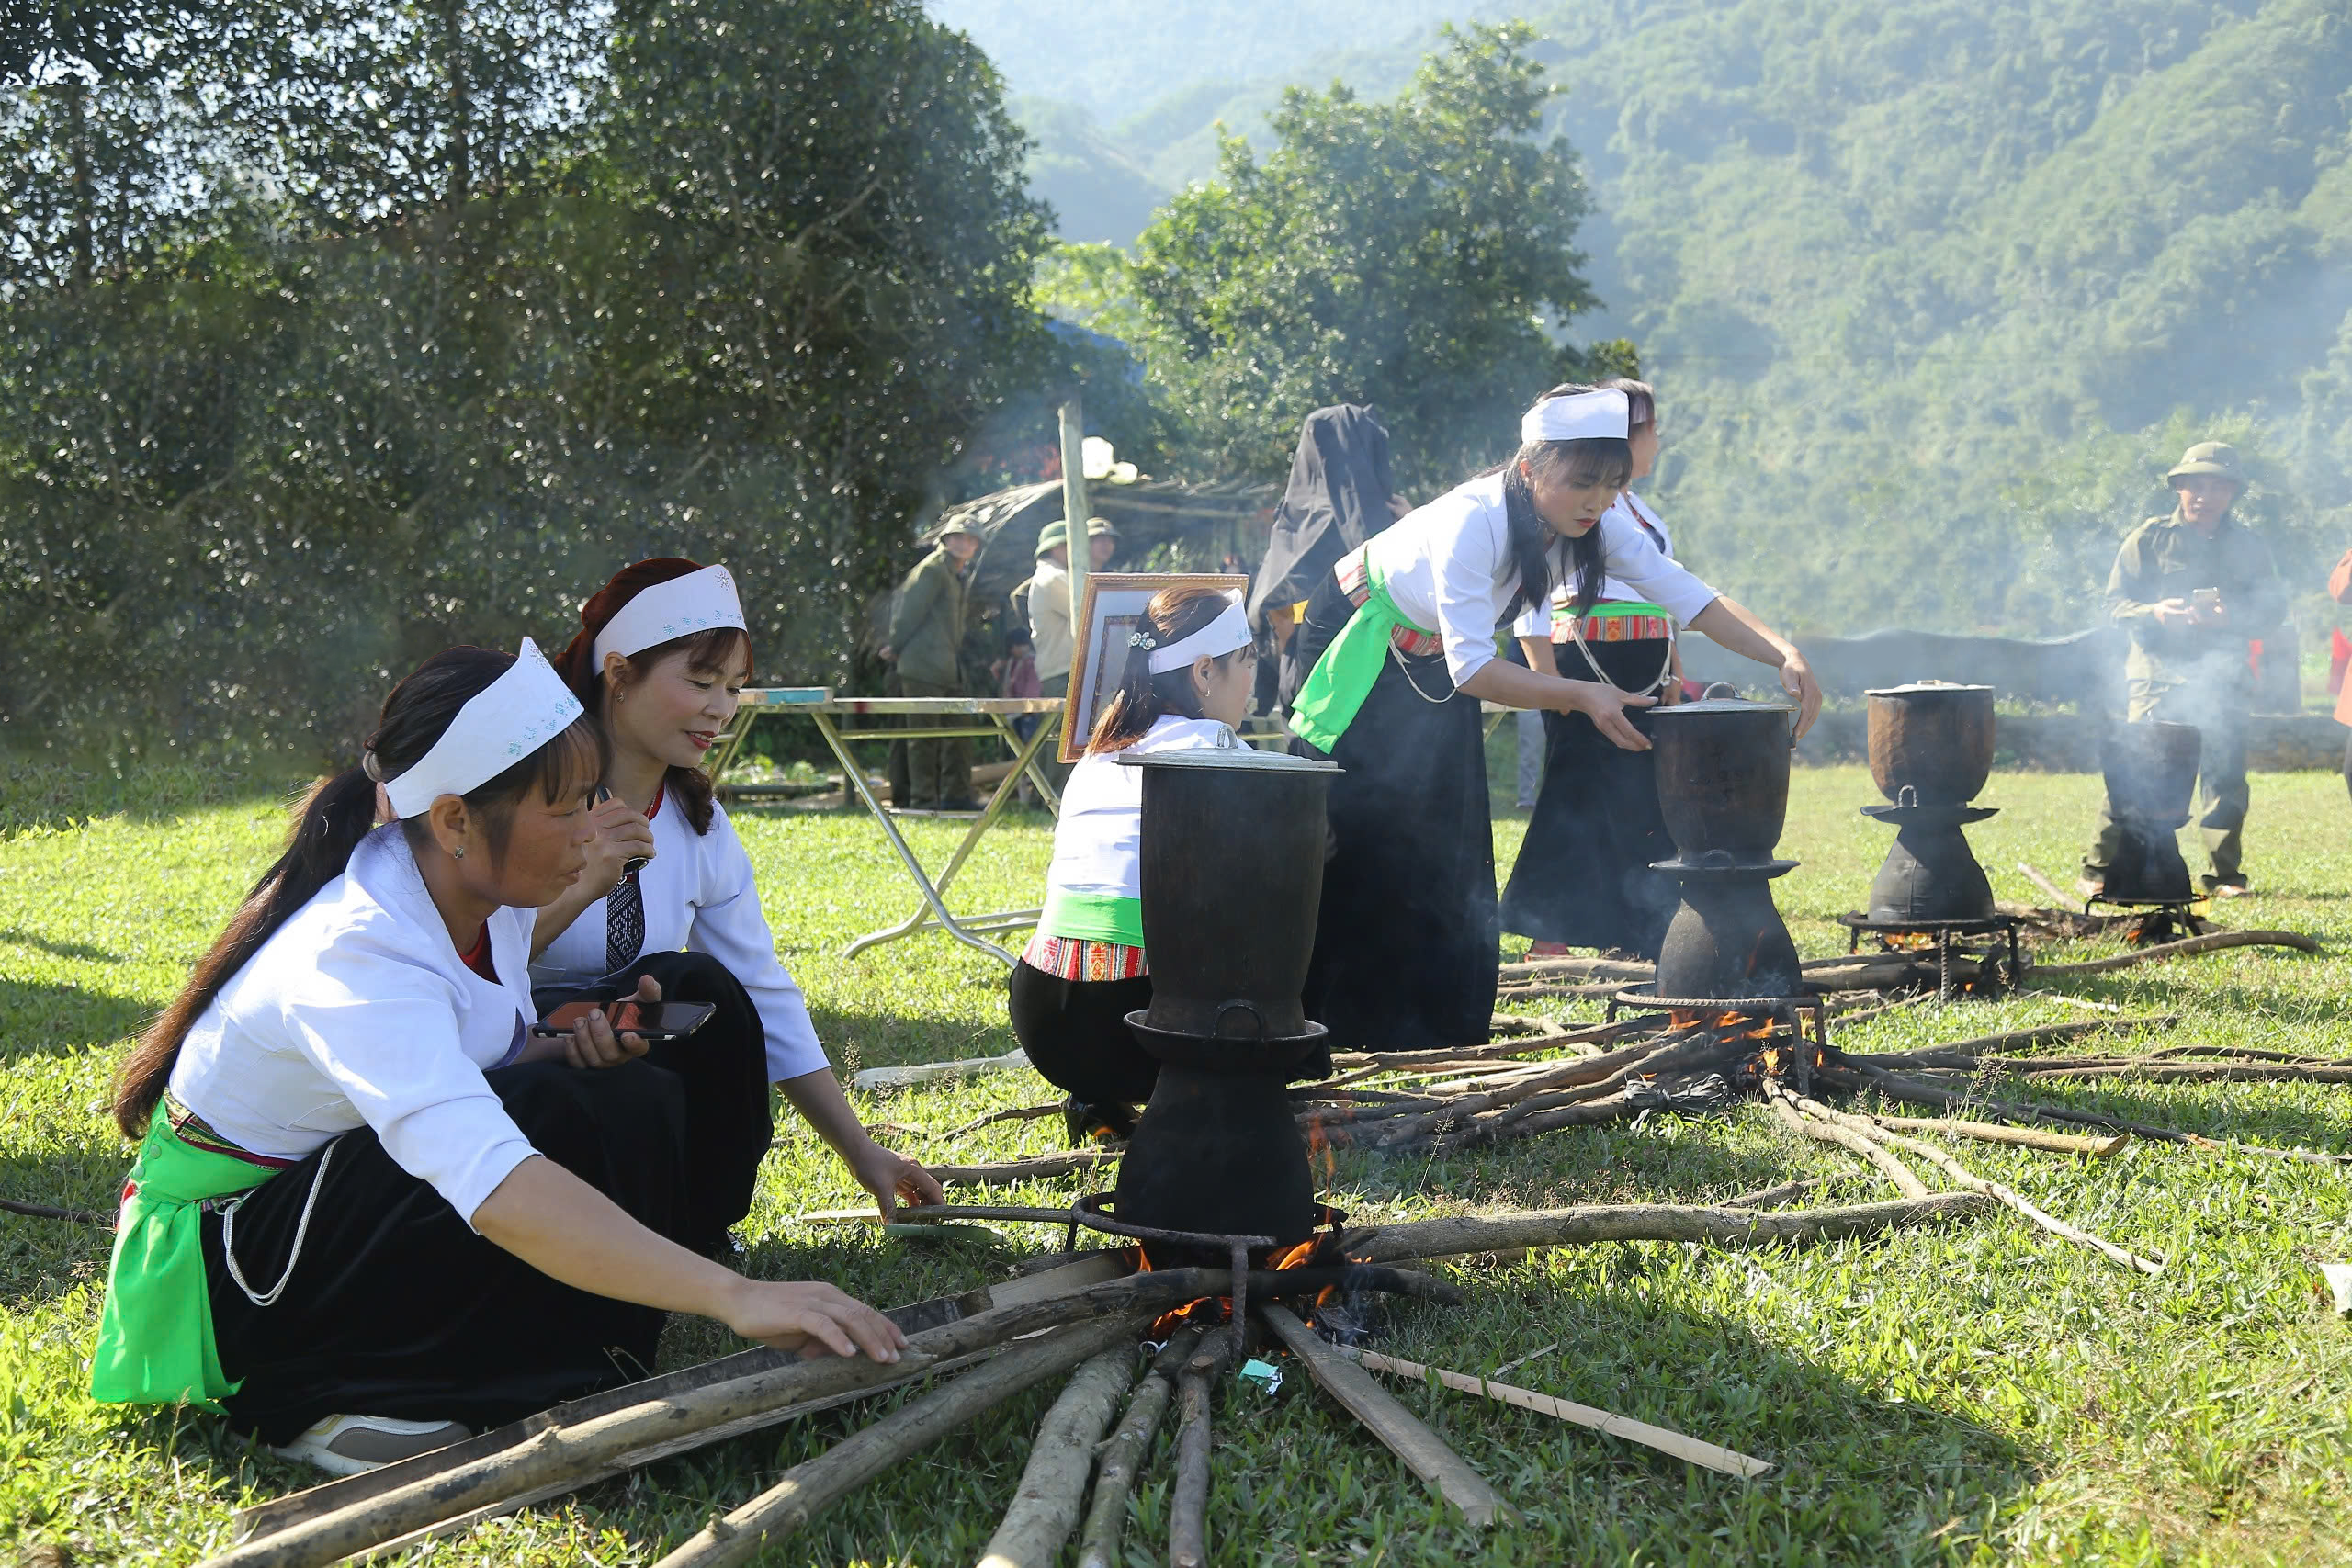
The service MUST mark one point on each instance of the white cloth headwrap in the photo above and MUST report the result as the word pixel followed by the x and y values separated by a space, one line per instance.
pixel 500 725
pixel 1228 631
pixel 1580 416
pixel 667 611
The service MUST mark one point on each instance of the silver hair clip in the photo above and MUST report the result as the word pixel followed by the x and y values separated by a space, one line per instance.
pixel 1143 641
pixel 372 768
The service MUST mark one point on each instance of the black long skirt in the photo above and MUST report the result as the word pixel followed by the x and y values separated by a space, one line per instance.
pixel 1077 1036
pixel 1583 876
pixel 396 1307
pixel 1407 947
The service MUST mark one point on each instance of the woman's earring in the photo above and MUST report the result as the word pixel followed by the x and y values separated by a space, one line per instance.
pixel 457 853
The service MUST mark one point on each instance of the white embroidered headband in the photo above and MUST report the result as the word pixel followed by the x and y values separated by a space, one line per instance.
pixel 500 725
pixel 1228 631
pixel 668 611
pixel 1580 416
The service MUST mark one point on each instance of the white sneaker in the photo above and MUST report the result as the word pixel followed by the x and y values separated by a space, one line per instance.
pixel 348 1445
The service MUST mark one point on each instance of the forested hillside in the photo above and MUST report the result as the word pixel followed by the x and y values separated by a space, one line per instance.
pixel 1933 290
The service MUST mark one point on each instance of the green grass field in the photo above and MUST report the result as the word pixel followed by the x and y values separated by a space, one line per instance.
pixel 1977 1395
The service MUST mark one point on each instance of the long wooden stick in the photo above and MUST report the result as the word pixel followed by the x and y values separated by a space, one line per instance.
pixel 43 1211
pixel 1053 1483
pixel 1424 1452
pixel 1914 1092
pixel 2211 942
pixel 1663 1438
pixel 1765 1196
pixel 2056 892
pixel 1035 1169
pixel 1786 1107
pixel 1348 1061
pixel 1583 1226
pixel 565 1454
pixel 2017 1137
pixel 1188 1499
pixel 809 1488
pixel 1123 1455
pixel 1862 1126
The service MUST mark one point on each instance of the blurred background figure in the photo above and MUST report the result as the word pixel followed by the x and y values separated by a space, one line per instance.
pixel 2195 590
pixel 926 635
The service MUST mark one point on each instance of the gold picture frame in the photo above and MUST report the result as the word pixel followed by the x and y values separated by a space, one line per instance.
pixel 1099 654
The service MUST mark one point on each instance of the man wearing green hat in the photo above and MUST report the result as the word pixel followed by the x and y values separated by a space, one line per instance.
pixel 926 637
pixel 1049 605
pixel 2194 589
pixel 1047 591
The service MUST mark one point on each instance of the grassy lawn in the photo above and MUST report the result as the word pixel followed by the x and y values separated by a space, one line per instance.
pixel 1979 1394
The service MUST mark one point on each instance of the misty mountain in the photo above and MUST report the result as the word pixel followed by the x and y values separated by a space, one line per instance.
pixel 1933 290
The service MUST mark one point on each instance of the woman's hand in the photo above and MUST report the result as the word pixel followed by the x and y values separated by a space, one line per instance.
pixel 891 1177
pixel 622 835
pixel 1606 705
pixel 593 1043
pixel 810 1318
pixel 1796 678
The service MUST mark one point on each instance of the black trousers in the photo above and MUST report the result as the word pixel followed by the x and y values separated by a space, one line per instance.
pixel 1406 944
pixel 394 1306
pixel 1583 876
pixel 1077 1036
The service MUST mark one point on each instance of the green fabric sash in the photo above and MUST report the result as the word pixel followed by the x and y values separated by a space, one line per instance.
pixel 155 1343
pixel 1613 609
pixel 1335 689
pixel 1092 917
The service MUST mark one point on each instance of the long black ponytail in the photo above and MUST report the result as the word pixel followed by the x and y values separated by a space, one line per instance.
pixel 1534 546
pixel 332 820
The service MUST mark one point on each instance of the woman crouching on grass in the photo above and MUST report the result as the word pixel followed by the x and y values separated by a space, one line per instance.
pixel 370 1210
pixel 1085 970
pixel 660 659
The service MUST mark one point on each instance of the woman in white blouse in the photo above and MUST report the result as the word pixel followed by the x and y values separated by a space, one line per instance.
pixel 660 659
pixel 371 1210
pixel 1085 967
pixel 1402 640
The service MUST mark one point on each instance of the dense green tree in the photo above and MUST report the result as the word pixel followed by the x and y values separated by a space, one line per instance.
pixel 1418 254
pixel 424 329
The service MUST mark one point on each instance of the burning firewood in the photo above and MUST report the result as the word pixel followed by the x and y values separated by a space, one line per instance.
pixel 565 1455
pixel 808 1489
pixel 1121 1456
pixel 1423 1451
pixel 1188 1500
pixel 1053 1483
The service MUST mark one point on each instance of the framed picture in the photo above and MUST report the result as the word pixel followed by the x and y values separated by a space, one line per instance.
pixel 1099 656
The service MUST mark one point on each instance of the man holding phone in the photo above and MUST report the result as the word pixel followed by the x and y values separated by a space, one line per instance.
pixel 2195 590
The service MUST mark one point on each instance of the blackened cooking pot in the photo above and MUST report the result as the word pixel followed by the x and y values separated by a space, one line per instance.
pixel 1231 867
pixel 1723 775
pixel 1934 740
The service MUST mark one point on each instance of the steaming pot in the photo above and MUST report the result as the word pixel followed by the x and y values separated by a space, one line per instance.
pixel 2151 768
pixel 1723 775
pixel 1232 877
pixel 1933 739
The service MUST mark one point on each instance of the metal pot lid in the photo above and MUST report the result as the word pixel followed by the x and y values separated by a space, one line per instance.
pixel 1232 753
pixel 1921 689
pixel 1717 704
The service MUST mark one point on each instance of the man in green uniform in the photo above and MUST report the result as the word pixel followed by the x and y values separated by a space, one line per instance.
pixel 926 637
pixel 2193 590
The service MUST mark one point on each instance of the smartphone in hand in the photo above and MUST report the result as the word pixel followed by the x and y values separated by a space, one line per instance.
pixel 651 1022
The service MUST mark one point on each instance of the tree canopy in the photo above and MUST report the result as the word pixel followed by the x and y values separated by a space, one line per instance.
pixel 1933 292
pixel 1416 253
pixel 339 332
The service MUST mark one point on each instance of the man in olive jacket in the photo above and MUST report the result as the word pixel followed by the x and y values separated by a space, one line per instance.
pixel 926 634
pixel 2193 590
